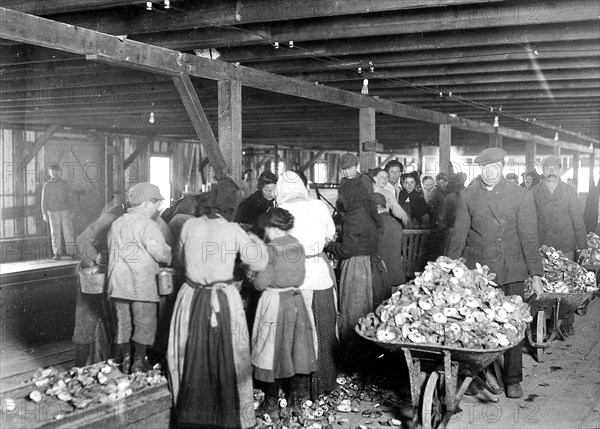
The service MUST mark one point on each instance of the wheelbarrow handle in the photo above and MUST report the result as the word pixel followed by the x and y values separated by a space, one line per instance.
pixel 531 298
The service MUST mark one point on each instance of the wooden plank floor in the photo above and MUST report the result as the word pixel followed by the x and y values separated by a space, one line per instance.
pixel 18 361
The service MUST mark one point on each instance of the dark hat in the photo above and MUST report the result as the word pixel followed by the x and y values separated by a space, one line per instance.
pixel 551 160
pixel 529 171
pixel 490 156
pixel 348 160
pixel 142 192
pixel 511 176
pixel 379 199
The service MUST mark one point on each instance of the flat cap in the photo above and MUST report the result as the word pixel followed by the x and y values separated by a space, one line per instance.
pixel 348 160
pixel 490 156
pixel 551 160
pixel 379 199
pixel 142 192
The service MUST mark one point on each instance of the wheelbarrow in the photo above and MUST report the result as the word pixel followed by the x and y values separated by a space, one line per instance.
pixel 553 307
pixel 434 372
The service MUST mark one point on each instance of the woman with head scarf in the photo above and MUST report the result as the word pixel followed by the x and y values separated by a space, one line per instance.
pixel 211 374
pixel 362 270
pixel 314 228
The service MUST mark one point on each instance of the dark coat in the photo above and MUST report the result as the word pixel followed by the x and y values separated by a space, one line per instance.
pixel 416 208
pixel 497 228
pixel 560 219
pixel 251 209
pixel 390 249
pixel 590 213
pixel 360 227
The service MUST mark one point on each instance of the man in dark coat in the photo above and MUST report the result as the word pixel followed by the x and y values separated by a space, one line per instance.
pixel 559 215
pixel 560 219
pixel 251 210
pixel 496 225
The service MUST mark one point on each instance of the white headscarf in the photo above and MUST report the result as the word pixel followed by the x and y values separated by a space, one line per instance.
pixel 289 187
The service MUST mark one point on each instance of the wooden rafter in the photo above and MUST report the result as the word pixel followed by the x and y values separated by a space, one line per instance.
pixel 39 144
pixel 139 148
pixel 158 60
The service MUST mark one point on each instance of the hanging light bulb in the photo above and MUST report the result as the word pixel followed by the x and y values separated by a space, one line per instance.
pixel 371 67
pixel 167 4
pixel 450 94
pixel 359 70
pixel 496 122
pixel 556 137
pixel 276 45
pixel 148 5
pixel 151 118
pixel 365 88
pixel 291 44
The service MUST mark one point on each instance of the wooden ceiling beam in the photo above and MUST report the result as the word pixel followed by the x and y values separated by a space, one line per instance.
pixel 48 7
pixel 39 31
pixel 469 55
pixel 420 21
pixel 413 42
pixel 455 69
pixel 209 13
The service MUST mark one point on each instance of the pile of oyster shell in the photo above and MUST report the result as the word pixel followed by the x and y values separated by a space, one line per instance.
pixel 565 276
pixel 451 305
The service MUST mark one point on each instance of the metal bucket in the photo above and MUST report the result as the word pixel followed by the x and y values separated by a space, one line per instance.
pixel 92 283
pixel 165 281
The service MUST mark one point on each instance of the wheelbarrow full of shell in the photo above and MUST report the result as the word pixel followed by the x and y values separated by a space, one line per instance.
pixel 549 312
pixel 440 375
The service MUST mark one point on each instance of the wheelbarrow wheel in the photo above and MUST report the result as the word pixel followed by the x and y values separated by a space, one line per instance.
pixel 541 335
pixel 432 411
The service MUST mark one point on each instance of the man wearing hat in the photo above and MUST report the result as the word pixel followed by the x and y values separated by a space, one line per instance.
pixel 559 215
pixel 136 247
pixel 530 177
pixel 496 225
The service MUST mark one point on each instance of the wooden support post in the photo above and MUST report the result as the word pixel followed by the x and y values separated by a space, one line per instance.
pixel 495 140
pixel 140 146
pixel 119 163
pixel 230 126
pixel 366 123
pixel 445 141
pixel 39 144
pixel 312 161
pixel 420 156
pixel 576 161
pixel 276 159
pixel 190 99
pixel 556 149
pixel 530 149
pixel 592 166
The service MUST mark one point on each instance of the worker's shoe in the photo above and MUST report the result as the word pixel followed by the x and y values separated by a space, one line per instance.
pixel 514 390
pixel 270 407
pixel 140 363
pixel 295 404
pixel 126 363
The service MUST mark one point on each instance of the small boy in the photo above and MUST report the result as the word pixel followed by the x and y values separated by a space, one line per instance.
pixel 136 247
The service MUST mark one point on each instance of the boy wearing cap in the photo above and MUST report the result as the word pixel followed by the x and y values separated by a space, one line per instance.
pixel 136 247
pixel 496 225
pixel 559 217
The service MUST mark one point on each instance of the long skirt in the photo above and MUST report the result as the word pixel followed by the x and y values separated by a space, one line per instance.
pixel 283 340
pixel 358 279
pixel 211 374
pixel 324 379
pixel 94 326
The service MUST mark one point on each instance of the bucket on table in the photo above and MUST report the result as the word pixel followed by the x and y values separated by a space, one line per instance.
pixel 165 281
pixel 92 282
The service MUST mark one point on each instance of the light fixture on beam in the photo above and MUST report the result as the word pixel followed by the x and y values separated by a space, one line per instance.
pixel 151 118
pixel 167 4
pixel 365 87
pixel 359 70
pixel 556 137
pixel 371 67
pixel 148 5
pixel 276 44
pixel 291 44
pixel 496 122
